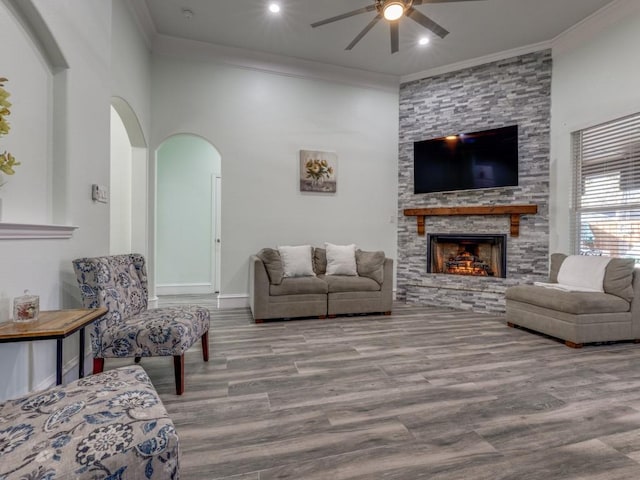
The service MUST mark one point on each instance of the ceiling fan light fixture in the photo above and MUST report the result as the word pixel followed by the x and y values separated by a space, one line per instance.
pixel 393 10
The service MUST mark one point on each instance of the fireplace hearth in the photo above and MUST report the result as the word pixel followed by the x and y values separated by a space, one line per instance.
pixel 479 255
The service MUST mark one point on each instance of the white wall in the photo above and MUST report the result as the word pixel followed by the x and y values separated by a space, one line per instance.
pixel 186 169
pixel 130 87
pixel 82 30
pixel 120 188
pixel 259 121
pixel 596 78
pixel 131 66
pixel 78 139
pixel 30 85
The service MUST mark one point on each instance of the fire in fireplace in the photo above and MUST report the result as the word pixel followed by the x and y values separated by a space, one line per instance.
pixel 462 254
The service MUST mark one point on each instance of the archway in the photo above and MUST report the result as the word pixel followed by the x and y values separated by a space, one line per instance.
pixel 187 244
pixel 128 182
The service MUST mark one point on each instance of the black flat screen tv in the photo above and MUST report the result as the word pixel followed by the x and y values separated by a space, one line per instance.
pixel 485 159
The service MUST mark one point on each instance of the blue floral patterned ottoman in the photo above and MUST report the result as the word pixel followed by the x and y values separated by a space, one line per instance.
pixel 106 426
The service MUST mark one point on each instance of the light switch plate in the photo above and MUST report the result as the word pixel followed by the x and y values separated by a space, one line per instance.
pixel 99 193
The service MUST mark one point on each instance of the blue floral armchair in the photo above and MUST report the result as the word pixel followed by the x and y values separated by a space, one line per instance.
pixel 109 426
pixel 128 329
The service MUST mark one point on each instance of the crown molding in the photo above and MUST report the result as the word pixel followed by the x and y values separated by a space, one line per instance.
pixel 576 35
pixel 142 16
pixel 295 67
pixel 272 63
pixel 474 62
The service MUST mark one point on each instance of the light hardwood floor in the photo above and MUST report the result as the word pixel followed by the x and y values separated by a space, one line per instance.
pixel 425 393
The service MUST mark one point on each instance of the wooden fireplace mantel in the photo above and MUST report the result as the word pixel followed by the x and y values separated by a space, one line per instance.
pixel 513 210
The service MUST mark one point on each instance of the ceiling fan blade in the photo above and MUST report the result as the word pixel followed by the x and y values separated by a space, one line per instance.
pixel 366 29
pixel 395 36
pixel 426 22
pixel 369 8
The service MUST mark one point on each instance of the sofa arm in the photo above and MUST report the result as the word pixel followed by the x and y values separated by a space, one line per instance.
pixel 387 285
pixel 258 288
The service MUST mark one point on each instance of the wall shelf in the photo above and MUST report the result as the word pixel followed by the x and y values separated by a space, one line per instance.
pixel 514 211
pixel 23 231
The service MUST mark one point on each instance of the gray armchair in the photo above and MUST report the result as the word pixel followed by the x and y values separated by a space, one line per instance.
pixel 128 329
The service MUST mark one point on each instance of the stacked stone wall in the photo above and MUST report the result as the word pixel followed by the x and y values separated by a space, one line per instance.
pixel 507 92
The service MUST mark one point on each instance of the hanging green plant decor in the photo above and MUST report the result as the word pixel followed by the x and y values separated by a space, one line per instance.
pixel 7 161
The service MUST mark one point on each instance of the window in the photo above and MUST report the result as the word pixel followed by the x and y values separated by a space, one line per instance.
pixel 606 196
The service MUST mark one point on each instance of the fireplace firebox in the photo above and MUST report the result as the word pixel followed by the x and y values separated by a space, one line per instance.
pixel 480 255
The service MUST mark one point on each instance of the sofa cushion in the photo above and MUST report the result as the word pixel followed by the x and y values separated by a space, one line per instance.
pixel 618 275
pixel 618 278
pixel 371 265
pixel 297 260
pixel 570 302
pixel 556 261
pixel 586 272
pixel 341 259
pixel 273 263
pixel 319 261
pixel 349 283
pixel 299 285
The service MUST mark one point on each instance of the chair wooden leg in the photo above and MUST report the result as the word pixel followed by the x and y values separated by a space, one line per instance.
pixel 205 346
pixel 98 365
pixel 137 359
pixel 178 369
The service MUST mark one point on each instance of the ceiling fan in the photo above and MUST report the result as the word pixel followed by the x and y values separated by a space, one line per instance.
pixel 392 11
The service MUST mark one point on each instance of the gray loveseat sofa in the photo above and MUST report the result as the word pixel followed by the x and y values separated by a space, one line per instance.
pixel 274 296
pixel 580 317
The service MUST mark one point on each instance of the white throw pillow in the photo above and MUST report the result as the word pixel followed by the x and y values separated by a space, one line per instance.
pixel 585 272
pixel 297 261
pixel 341 259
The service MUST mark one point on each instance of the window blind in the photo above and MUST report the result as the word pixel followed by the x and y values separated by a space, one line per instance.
pixel 606 193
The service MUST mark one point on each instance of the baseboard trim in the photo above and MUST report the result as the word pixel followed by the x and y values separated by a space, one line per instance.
pixel 184 289
pixel 152 302
pixel 237 300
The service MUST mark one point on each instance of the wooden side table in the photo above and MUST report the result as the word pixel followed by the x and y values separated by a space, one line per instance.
pixel 53 325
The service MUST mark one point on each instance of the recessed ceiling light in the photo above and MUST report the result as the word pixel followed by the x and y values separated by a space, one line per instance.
pixel 274 8
pixel 423 41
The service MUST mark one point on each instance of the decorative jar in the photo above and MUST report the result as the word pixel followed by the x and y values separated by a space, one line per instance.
pixel 26 308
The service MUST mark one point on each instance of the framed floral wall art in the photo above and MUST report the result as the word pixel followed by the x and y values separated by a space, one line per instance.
pixel 318 171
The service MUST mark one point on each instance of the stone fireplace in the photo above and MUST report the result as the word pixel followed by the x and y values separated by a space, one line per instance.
pixel 482 255
pixel 505 92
